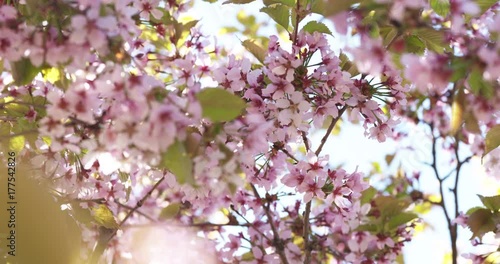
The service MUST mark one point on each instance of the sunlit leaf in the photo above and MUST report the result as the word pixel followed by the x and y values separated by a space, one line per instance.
pixel 434 39
pixel 478 85
pixel 170 211
pixel 239 2
pixel 441 7
pixel 457 111
pixel 492 140
pixel 177 160
pixel 290 3
pixel 414 44
pixel 104 217
pixel 491 202
pixel 256 50
pixel 390 206
pixel 327 8
pixel 485 4
pixel 23 71
pixel 279 13
pixel 400 219
pixel 367 195
pixel 347 65
pixel 422 208
pixel 17 143
pixel 314 26
pixel 220 105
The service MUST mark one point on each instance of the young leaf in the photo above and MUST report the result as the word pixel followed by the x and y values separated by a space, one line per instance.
pixel 457 111
pixel 399 219
pixel 485 4
pixel 23 71
pixel 170 211
pixel 290 3
pixel 481 222
pixel 367 195
pixel 16 143
pixel 491 202
pixel 414 44
pixel 178 162
pixel 441 7
pixel 238 2
pixel 256 50
pixel 279 13
pixel 220 105
pixel 478 85
pixel 327 8
pixel 104 217
pixel 390 206
pixel 492 140
pixel 434 39
pixel 314 26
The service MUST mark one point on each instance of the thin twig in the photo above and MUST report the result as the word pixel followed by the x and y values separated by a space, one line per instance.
pixel 451 227
pixel 110 233
pixel 137 211
pixel 329 130
pixel 305 233
pixel 277 241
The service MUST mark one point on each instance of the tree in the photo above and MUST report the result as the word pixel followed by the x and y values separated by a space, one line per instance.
pixel 143 130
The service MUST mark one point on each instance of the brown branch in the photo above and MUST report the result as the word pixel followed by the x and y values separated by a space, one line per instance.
pixel 329 130
pixel 108 234
pixel 277 241
pixel 136 211
pixel 452 228
pixel 305 234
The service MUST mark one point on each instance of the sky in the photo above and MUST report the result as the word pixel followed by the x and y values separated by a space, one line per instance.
pixel 353 150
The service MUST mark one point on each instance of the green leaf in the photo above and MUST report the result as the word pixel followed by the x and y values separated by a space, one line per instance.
pixel 368 227
pixel 220 105
pixel 390 206
pixel 414 44
pixel 238 2
pixel 481 222
pixel 473 209
pixel 177 161
pixel 314 26
pixel 279 13
pixel 459 66
pixel 485 4
pixel 400 219
pixel 171 211
pixel 104 217
pixel 441 7
pixel 434 39
pixel 457 111
pixel 367 195
pixel 256 50
pixel 388 34
pixel 16 143
pixel 290 3
pixel 23 71
pixel 327 8
pixel 347 65
pixel 491 202
pixel 423 208
pixel 492 140
pixel 478 85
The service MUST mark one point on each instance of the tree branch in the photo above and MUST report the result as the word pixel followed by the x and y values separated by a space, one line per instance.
pixel 329 130
pixel 277 241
